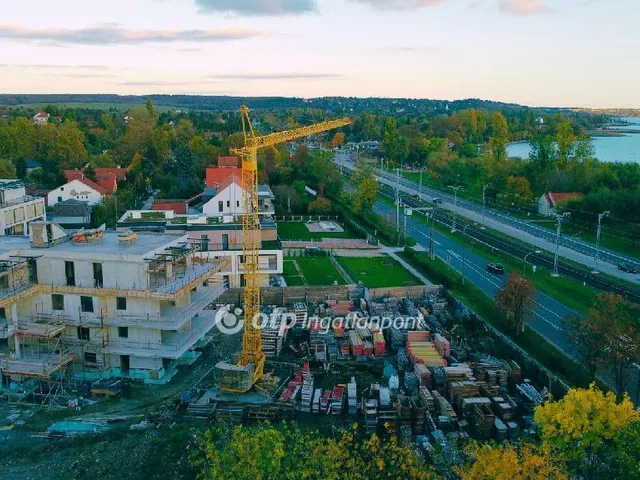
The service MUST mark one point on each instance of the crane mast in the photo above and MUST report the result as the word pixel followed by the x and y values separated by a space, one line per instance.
pixel 250 368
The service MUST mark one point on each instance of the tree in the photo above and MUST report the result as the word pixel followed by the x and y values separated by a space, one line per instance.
pixel 499 136
pixel 337 140
pixel 581 426
pixel 395 146
pixel 185 131
pixel 520 189
pixel 320 170
pixel 288 198
pixel 608 335
pixel 508 462
pixel 516 301
pixel 7 170
pixel 366 189
pixel 320 206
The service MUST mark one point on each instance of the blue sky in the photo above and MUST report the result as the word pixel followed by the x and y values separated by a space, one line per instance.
pixel 535 52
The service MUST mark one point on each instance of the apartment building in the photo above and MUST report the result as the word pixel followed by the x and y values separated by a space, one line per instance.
pixel 17 209
pixel 104 305
pixel 220 239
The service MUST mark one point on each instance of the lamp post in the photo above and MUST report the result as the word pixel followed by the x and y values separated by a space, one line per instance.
pixel 524 261
pixel 600 217
pixel 421 170
pixel 455 205
pixel 559 218
pixel 464 251
pixel 397 198
pixel 484 203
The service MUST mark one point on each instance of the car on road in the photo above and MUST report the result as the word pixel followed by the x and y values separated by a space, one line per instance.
pixel 627 267
pixel 495 268
pixel 437 201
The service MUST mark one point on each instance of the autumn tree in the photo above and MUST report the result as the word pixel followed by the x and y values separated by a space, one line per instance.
pixel 337 140
pixel 582 426
pixel 366 189
pixel 509 462
pixel 608 336
pixel 320 206
pixel 520 189
pixel 516 301
pixel 499 136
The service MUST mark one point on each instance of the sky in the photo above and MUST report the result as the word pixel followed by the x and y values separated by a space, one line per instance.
pixel 533 52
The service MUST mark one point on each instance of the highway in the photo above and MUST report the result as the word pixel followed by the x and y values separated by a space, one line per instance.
pixel 570 248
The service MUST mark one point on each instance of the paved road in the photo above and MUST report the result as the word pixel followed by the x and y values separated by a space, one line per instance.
pixel 542 238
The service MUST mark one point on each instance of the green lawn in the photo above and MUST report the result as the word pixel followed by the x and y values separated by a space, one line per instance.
pixel 377 271
pixel 291 275
pixel 319 271
pixel 299 231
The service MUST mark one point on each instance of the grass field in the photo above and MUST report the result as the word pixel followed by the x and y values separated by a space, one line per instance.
pixel 299 231
pixel 317 271
pixel 377 271
pixel 291 275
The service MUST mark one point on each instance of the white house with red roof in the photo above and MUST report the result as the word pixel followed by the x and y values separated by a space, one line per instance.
pixel 549 201
pixel 223 194
pixel 81 189
pixel 107 178
pixel 41 118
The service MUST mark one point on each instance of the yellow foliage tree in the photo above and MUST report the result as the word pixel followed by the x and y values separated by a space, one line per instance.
pixel 508 462
pixel 337 140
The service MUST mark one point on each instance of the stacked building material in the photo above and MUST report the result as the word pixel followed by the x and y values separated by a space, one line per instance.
pixel 458 391
pixel 502 409
pixel 316 400
pixel 468 404
pixel 444 408
pixel 357 345
pixel 424 352
pixel 429 423
pixel 368 348
pixel 418 336
pixel 338 329
pixel 482 420
pixel 290 394
pixel 352 398
pixel 423 374
pixel 378 343
pixel 301 312
pixel 442 346
pixel 306 395
pixel 501 432
pixel 370 411
pixel 344 348
pixel 427 398
pixel 513 431
pixel 337 400
pixel 458 372
pixel 398 339
pixel 385 397
pixel 411 383
pixel 403 411
pixel 418 411
pixel 340 308
pixel 272 341
pixel 530 397
pixel 402 358
pixel 324 401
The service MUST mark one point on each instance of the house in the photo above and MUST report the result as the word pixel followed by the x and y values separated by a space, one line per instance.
pixel 41 118
pixel 126 305
pixel 72 214
pixel 228 162
pixel 549 201
pixel 223 194
pixel 81 189
pixel 17 209
pixel 178 206
pixel 107 178
pixel 216 176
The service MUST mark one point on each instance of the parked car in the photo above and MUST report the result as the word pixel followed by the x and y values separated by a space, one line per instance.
pixel 437 201
pixel 495 268
pixel 626 267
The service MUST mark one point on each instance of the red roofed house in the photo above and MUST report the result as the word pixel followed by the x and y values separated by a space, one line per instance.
pixel 107 178
pixel 548 202
pixel 81 189
pixel 41 118
pixel 215 176
pixel 226 162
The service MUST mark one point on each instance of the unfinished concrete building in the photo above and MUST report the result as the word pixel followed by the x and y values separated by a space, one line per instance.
pixel 101 305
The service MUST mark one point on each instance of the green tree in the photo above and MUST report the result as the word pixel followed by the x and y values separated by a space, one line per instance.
pixel 499 136
pixel 366 189
pixel 7 170
pixel 395 145
pixel 70 148
pixel 320 206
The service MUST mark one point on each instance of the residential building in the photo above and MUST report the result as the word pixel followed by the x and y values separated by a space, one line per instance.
pixel 217 239
pixel 105 305
pixel 549 201
pixel 41 118
pixel 107 178
pixel 72 214
pixel 18 210
pixel 81 189
pixel 178 206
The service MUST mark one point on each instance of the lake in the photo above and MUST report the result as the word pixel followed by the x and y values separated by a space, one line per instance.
pixel 606 149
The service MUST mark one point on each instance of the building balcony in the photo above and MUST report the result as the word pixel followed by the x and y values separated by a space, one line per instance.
pixel 6 329
pixel 172 346
pixel 41 366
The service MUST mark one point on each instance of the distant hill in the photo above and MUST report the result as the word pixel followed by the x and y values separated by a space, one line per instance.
pixel 618 112
pixel 347 105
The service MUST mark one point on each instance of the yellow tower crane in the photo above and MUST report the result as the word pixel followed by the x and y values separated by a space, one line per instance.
pixel 250 369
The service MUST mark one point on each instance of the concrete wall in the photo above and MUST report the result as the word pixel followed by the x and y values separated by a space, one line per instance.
pixel 287 295
pixel 413 293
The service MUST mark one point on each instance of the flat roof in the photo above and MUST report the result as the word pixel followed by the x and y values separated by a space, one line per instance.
pixel 13 242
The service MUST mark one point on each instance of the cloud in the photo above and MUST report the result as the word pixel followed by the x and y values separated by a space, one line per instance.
pixel 115 35
pixel 56 67
pixel 523 7
pixel 399 4
pixel 277 76
pixel 258 7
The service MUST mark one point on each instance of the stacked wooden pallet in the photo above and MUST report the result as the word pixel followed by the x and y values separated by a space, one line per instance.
pixel 403 410
pixel 424 352
pixel 427 398
pixel 418 411
pixel 442 346
pixel 423 374
pixel 458 391
pixel 378 343
pixel 301 312
pixel 482 420
pixel 357 345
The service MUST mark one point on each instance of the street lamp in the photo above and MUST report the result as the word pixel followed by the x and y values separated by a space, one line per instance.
pixel 600 217
pixel 524 261
pixel 484 203
pixel 559 218
pixel 455 205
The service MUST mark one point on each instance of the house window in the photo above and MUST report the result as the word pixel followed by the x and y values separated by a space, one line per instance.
pixel 59 199
pixel 121 303
pixel 123 332
pixel 70 273
pixel 237 203
pixel 61 189
pixel 86 304
pixel 220 206
pixel 84 333
pixel 57 301
pixel 97 275
pixel 90 357
pixel 3 313
pixel 228 204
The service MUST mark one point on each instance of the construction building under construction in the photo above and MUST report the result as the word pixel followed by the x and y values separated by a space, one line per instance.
pixel 100 305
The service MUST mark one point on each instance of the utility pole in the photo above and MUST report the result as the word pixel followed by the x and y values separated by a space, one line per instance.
pixel 524 262
pixel 397 198
pixel 559 218
pixel 600 217
pixel 484 203
pixel 421 182
pixel 455 204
